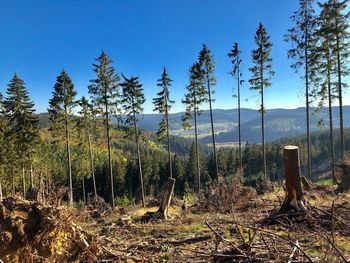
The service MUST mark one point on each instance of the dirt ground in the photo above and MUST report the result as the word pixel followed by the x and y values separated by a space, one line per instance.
pixel 252 231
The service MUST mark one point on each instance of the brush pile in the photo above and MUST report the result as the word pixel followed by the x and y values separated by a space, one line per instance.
pixel 33 232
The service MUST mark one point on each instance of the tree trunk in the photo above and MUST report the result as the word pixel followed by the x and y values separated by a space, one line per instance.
pixel 239 120
pixel 197 152
pixel 1 191
pixel 169 148
pixel 23 183
pixel 139 161
pixel 69 165
pixel 41 187
pixel 331 138
pixel 166 200
pixel 294 194
pixel 84 194
pixel 109 151
pixel 212 131
pixel 308 140
pixel 340 95
pixel 31 176
pixel 92 166
pixel 263 120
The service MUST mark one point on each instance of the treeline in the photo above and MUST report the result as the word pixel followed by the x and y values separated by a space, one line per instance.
pixel 120 160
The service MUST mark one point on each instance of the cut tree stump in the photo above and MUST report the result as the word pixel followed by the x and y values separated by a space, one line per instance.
pixel 166 200
pixel 162 212
pixel 294 201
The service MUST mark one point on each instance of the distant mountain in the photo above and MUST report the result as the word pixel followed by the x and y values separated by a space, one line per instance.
pixel 279 123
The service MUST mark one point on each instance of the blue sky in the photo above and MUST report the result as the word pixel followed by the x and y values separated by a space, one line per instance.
pixel 39 38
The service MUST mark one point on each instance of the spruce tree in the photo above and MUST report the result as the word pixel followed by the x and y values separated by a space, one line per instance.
pixel 85 126
pixel 206 63
pixel 262 74
pixel 163 104
pixel 302 37
pixel 340 32
pixel 132 101
pixel 23 131
pixel 235 55
pixel 61 109
pixel 326 67
pixel 105 98
pixel 194 98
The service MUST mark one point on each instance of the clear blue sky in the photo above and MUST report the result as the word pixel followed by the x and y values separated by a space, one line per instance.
pixel 39 38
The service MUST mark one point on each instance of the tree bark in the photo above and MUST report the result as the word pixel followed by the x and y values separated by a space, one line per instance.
pixel 294 201
pixel 166 200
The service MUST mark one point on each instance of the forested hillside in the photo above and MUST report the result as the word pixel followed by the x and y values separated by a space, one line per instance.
pixel 279 123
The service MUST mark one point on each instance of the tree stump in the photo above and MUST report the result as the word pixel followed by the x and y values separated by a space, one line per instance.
pixel 294 193
pixel 165 203
pixel 162 212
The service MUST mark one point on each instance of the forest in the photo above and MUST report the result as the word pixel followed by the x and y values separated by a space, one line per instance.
pixel 82 182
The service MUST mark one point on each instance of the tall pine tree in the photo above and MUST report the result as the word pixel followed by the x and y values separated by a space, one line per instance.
pixel 163 104
pixel 340 32
pixel 105 98
pixel 262 74
pixel 302 38
pixel 326 67
pixel 133 100
pixel 196 95
pixel 235 55
pixel 23 126
pixel 61 108
pixel 206 63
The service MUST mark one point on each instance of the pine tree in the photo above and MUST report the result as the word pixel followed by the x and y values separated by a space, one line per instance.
pixel 340 32
pixel 326 68
pixel 163 104
pixel 302 37
pixel 105 98
pixel 194 98
pixel 61 108
pixel 206 62
pixel 23 125
pixel 262 74
pixel 235 55
pixel 133 100
pixel 85 125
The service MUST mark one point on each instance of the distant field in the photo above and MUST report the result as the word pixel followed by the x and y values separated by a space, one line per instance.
pixel 205 130
pixel 225 145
